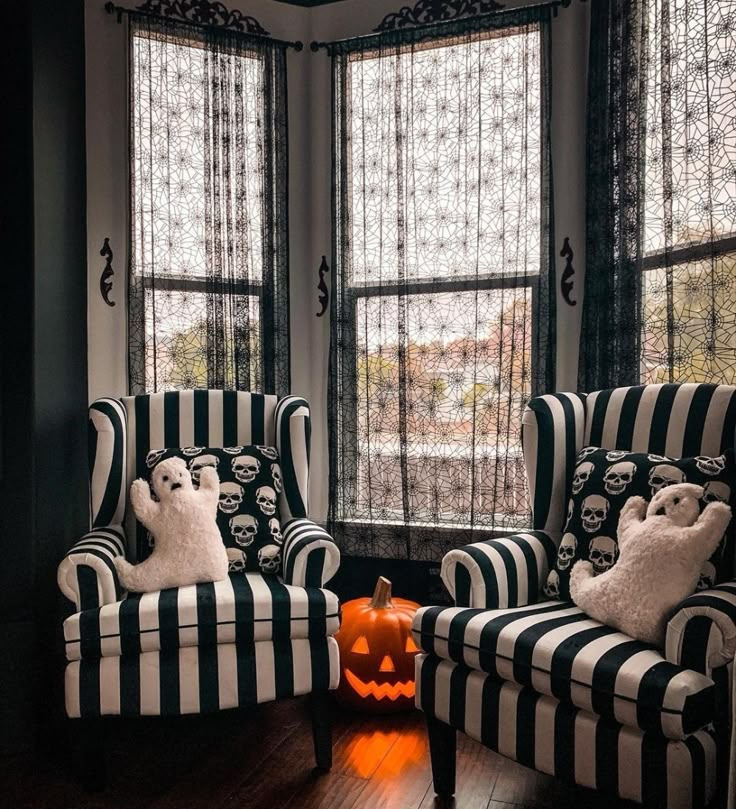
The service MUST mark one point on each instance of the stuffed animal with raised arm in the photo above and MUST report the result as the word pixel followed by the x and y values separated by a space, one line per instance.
pixel 188 546
pixel 662 548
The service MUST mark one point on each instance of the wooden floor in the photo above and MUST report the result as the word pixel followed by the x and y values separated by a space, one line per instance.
pixel 263 758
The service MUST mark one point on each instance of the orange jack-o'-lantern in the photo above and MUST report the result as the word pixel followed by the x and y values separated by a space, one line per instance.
pixel 377 652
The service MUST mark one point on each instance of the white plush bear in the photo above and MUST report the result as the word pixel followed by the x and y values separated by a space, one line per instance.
pixel 660 558
pixel 188 547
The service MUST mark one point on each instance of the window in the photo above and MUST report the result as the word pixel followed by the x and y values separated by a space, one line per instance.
pixel 208 264
pixel 441 322
pixel 689 287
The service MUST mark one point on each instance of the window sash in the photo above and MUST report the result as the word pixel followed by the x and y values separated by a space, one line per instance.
pixel 188 283
pixel 349 365
pixel 682 255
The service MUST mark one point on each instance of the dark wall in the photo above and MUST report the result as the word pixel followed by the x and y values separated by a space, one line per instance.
pixel 43 350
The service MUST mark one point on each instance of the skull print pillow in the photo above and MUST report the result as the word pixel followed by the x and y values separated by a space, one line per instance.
pixel 247 511
pixel 603 480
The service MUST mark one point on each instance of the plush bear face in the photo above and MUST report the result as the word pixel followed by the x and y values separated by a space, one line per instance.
pixel 169 477
pixel 679 503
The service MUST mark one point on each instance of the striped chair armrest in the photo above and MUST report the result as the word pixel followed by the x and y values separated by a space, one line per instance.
pixel 87 574
pixel 500 573
pixel 701 635
pixel 310 557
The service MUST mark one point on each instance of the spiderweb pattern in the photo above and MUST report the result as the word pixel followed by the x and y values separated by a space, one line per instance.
pixel 209 227
pixel 689 300
pixel 661 178
pixel 440 318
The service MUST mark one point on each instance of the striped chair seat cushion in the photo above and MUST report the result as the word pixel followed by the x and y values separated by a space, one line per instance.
pixel 557 650
pixel 244 608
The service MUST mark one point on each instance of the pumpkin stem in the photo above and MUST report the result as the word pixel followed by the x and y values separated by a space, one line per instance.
pixel 382 595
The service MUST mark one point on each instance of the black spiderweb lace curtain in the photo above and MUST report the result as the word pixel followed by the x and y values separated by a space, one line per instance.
pixel 208 281
pixel 442 310
pixel 661 217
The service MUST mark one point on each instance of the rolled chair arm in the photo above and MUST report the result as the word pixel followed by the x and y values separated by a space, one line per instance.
pixel 701 635
pixel 310 557
pixel 500 573
pixel 87 574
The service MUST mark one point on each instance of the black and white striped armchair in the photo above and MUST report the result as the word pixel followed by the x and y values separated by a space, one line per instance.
pixel 207 647
pixel 538 681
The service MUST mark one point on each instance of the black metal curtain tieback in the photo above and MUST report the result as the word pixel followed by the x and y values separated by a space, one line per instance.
pixel 566 282
pixel 107 272
pixel 324 293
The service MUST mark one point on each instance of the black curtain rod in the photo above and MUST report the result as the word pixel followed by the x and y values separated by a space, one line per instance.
pixel 471 22
pixel 254 36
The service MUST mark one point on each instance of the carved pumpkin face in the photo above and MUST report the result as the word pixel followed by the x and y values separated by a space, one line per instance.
pixel 377 652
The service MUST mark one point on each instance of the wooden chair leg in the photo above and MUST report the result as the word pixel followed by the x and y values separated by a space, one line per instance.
pixel 322 729
pixel 442 748
pixel 89 749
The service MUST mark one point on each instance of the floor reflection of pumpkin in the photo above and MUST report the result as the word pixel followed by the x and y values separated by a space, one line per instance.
pixel 368 750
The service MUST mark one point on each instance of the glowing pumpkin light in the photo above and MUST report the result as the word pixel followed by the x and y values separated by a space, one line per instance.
pixel 377 652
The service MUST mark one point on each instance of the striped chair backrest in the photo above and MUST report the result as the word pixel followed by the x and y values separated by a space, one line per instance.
pixel 122 431
pixel 674 420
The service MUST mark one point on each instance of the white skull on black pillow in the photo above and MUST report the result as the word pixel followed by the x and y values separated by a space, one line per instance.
pixel 665 475
pixel 716 490
pixel 189 451
pixel 266 500
pixel 231 496
pixel 552 587
pixel 244 528
pixel 594 512
pixel 618 476
pixel 583 454
pixel 616 455
pixel 196 465
pixel 269 452
pixel 710 466
pixel 581 475
pixel 269 558
pixel 274 527
pixel 602 553
pixel 236 560
pixel 566 551
pixel 570 508
pixel 276 474
pixel 153 457
pixel 232 450
pixel 246 467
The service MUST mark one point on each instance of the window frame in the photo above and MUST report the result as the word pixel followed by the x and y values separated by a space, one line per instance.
pixel 355 292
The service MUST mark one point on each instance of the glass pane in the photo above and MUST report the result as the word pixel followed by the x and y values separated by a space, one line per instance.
pixel 690 183
pixel 701 346
pixel 176 329
pixel 172 97
pixel 462 396
pixel 464 122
